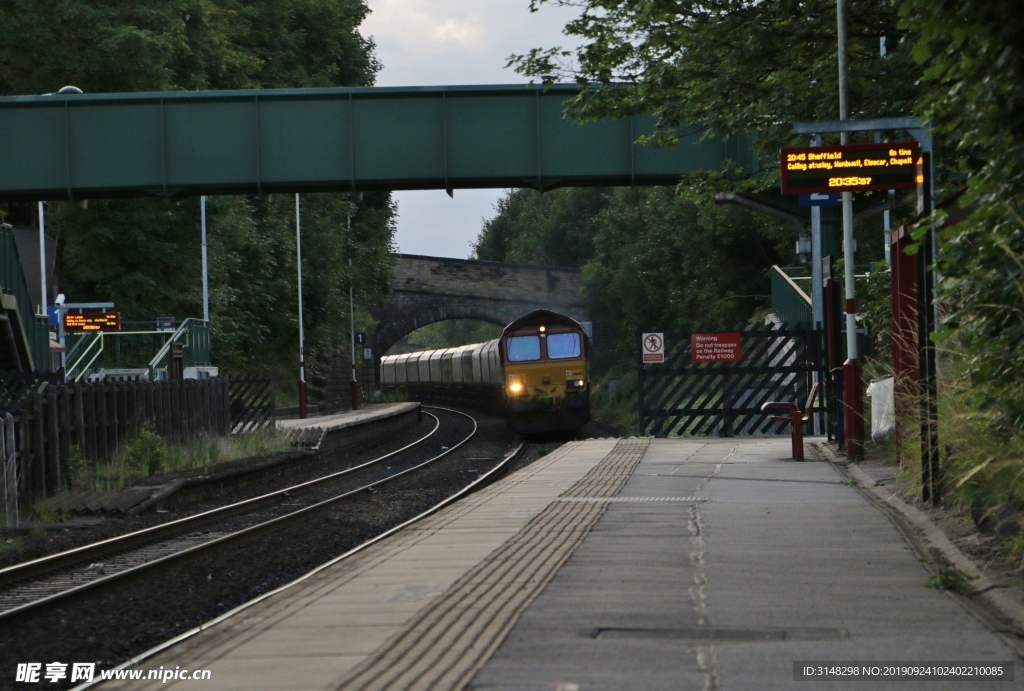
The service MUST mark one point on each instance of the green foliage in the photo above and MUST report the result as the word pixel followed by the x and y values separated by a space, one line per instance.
pixel 390 396
pixel 973 52
pixel 146 454
pixel 874 302
pixel 725 66
pixel 144 255
pixel 618 411
pixel 952 579
pixel 149 454
pixel 164 45
pixel 453 332
pixel 562 232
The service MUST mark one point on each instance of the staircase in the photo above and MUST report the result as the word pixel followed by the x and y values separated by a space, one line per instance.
pixel 24 336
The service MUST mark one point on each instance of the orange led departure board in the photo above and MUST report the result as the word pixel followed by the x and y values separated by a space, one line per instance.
pixel 850 168
pixel 91 322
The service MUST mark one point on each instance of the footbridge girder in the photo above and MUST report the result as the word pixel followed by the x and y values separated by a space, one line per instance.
pixel 173 144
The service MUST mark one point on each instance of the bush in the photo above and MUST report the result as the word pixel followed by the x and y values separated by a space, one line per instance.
pixel 146 454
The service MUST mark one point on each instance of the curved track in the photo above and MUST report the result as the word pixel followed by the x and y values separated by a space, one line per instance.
pixel 41 582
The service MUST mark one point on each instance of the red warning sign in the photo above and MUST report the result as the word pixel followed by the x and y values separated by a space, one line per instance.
pixel 715 347
pixel 653 347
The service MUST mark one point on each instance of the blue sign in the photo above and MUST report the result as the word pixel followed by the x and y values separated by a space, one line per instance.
pixel 361 338
pixel 52 313
pixel 820 199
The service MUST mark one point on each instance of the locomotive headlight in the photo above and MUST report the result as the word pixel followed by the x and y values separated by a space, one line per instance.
pixel 575 384
pixel 515 387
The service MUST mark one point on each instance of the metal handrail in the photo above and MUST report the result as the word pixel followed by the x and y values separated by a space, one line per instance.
pixel 162 353
pixel 85 353
pixel 185 328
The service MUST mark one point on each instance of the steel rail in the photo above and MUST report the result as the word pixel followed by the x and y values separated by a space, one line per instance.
pixel 217 542
pixel 481 481
pixel 61 560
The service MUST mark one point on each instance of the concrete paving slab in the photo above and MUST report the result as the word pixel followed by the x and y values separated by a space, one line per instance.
pixel 311 635
pixel 782 563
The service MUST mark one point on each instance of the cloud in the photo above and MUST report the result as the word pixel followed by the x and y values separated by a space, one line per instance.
pixel 432 42
pixel 429 42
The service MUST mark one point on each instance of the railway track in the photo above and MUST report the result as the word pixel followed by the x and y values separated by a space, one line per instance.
pixel 30 586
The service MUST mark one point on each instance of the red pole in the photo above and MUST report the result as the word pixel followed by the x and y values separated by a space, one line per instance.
pixel 853 404
pixel 302 390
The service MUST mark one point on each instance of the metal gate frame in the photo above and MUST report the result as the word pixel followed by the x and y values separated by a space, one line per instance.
pixel 683 398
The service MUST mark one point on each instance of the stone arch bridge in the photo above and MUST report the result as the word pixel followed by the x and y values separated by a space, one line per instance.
pixel 425 290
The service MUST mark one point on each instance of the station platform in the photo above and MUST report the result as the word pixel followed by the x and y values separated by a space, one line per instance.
pixel 610 564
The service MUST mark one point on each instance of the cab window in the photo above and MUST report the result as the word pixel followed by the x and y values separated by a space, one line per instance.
pixel 522 348
pixel 563 346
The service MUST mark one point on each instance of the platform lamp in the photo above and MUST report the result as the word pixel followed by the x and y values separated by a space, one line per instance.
pixel 852 377
pixel 351 311
pixel 302 333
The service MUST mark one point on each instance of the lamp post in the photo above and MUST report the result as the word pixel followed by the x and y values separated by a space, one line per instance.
pixel 852 396
pixel 302 333
pixel 352 315
pixel 206 274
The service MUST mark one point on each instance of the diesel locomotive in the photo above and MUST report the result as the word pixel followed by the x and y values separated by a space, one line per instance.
pixel 535 374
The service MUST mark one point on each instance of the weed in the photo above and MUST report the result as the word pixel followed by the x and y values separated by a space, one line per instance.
pixel 851 482
pixel 952 579
pixel 10 543
pixel 146 454
pixel 72 466
pixel 149 454
pixel 390 396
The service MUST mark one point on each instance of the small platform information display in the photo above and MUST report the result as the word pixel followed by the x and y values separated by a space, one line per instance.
pixel 724 347
pixel 851 168
pixel 91 322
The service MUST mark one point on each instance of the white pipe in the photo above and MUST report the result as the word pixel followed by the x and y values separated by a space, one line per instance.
pixel 302 333
pixel 848 253
pixel 351 299
pixel 206 275
pixel 43 302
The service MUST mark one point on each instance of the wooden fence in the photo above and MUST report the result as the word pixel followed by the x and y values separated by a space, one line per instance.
pixel 9 470
pixel 97 418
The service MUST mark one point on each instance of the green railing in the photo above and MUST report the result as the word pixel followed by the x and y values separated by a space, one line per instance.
pixel 789 302
pixel 34 344
pixel 133 349
pixel 82 355
pixel 194 335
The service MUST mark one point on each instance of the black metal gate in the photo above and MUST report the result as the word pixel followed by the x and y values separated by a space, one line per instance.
pixel 680 397
pixel 252 403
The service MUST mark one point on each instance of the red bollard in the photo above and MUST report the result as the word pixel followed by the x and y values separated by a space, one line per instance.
pixel 798 434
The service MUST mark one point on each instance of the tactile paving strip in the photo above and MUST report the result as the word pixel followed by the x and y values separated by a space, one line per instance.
pixel 446 643
pixel 631 500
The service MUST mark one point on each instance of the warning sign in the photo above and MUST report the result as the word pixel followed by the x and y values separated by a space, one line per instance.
pixel 653 347
pixel 715 347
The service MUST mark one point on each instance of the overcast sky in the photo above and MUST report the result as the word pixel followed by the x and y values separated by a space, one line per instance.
pixel 447 42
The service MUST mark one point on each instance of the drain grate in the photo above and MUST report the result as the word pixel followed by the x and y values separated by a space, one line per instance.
pixel 710 634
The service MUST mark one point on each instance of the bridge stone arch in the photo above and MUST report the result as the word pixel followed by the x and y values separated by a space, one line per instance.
pixel 425 290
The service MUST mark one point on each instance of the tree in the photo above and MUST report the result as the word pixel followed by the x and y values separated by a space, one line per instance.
pixel 973 52
pixel 144 254
pixel 729 66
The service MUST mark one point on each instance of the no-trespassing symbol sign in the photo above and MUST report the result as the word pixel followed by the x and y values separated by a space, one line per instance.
pixel 653 347
pixel 715 347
